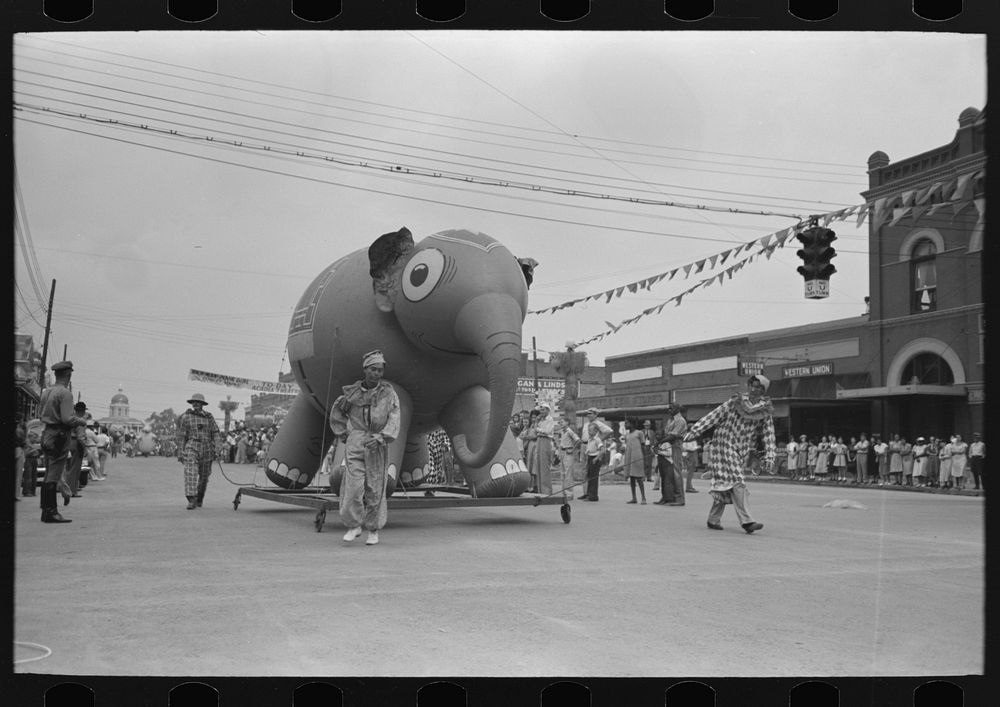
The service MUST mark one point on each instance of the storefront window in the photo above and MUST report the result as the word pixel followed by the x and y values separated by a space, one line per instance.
pixel 924 271
pixel 927 369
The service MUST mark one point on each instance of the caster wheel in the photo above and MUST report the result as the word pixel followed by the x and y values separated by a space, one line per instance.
pixel 564 511
pixel 320 520
pixel 236 502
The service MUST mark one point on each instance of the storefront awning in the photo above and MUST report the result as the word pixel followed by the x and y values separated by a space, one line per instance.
pixel 891 391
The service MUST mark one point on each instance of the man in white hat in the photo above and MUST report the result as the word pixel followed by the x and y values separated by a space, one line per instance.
pixel 738 423
pixel 197 447
pixel 366 418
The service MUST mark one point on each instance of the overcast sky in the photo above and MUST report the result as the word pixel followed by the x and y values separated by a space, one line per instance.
pixel 265 156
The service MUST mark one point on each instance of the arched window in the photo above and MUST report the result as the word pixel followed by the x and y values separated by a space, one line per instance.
pixel 927 369
pixel 923 271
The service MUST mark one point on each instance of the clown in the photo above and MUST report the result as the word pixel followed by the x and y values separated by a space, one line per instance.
pixel 738 423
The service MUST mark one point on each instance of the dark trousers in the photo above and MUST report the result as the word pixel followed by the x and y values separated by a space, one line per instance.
pixel 976 466
pixel 668 494
pixel 593 476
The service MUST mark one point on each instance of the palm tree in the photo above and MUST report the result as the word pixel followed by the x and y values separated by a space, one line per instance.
pixel 570 364
pixel 227 406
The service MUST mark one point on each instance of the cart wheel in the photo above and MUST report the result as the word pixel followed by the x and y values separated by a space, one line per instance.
pixel 564 511
pixel 320 519
pixel 236 501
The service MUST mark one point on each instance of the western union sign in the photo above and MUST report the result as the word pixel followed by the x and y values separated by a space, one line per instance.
pixel 809 369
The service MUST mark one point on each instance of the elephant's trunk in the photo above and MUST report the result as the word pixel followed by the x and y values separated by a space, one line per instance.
pixel 491 326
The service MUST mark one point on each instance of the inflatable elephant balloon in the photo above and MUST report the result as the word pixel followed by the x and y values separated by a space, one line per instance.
pixel 447 314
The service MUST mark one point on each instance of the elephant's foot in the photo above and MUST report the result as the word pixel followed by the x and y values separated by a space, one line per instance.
pixel 500 479
pixel 285 476
pixel 415 476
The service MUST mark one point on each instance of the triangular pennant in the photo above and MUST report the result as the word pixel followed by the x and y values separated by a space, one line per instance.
pixel 723 256
pixel 672 273
pixel 897 214
pixel 862 213
pixel 934 208
pixel 768 253
pixel 879 215
pixel 632 288
pixel 608 295
pixel 660 308
pixel 959 206
pixel 961 187
pixel 618 292
pixel 981 208
pixel 711 262
pixel 700 266
pixel 687 270
pixel 908 197
pixel 766 239
pixel 922 196
pixel 917 212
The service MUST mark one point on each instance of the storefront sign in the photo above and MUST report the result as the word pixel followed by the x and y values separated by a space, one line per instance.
pixel 749 365
pixel 526 386
pixel 629 401
pixel 806 370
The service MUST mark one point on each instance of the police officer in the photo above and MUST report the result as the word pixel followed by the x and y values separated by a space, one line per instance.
pixel 56 412
pixel 197 442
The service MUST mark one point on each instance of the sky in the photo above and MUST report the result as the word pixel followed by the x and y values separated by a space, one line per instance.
pixel 183 188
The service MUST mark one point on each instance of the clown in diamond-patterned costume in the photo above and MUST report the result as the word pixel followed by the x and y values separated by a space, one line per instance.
pixel 738 423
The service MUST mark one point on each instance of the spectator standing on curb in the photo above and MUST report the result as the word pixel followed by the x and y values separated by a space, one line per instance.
pixel 959 450
pixel 738 423
pixel 634 462
pixel 944 463
pixel 919 452
pixel 197 447
pixel 103 450
pixel 691 451
pixel 792 454
pixel 977 460
pixel 861 449
pixel 20 442
pixel 595 457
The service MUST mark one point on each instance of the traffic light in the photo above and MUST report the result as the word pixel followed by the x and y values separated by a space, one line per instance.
pixel 816 254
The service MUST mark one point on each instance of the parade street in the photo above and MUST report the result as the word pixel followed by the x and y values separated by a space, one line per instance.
pixel 137 585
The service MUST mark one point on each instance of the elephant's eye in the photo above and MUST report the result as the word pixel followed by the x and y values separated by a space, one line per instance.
pixel 422 273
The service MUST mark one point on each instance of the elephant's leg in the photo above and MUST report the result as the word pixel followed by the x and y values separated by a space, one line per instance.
pixel 395 453
pixel 295 454
pixel 414 465
pixel 505 474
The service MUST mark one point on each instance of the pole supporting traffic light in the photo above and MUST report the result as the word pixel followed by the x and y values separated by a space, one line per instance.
pixel 816 254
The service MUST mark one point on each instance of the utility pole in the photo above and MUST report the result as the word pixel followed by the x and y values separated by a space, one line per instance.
pixel 45 344
pixel 534 358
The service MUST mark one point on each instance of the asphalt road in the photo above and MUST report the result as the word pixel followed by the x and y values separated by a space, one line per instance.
pixel 138 585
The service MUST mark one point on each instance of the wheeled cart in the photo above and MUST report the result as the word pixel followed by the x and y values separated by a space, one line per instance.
pixel 425 497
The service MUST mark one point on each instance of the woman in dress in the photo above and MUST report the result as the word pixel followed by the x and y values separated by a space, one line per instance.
pixel 931 465
pixel 812 458
pixel 944 464
pixel 822 458
pixel 919 462
pixel 633 461
pixel 803 464
pixel 959 461
pixel 852 460
pixel 838 450
pixel 907 453
pixel 896 461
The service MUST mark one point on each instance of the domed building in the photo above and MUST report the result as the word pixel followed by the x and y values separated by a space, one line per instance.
pixel 119 414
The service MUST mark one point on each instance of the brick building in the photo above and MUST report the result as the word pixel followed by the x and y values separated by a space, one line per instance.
pixel 913 364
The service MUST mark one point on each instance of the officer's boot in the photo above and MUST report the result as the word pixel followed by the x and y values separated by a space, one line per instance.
pixel 50 508
pixel 192 502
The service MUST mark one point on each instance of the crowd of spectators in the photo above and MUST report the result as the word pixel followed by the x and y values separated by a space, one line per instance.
pixel 247 445
pixel 933 462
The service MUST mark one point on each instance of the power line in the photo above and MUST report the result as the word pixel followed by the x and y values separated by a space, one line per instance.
pixel 379 191
pixel 396 161
pixel 408 171
pixel 405 109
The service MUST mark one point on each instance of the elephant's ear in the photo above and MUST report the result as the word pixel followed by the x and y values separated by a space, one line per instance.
pixel 385 257
pixel 528 266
